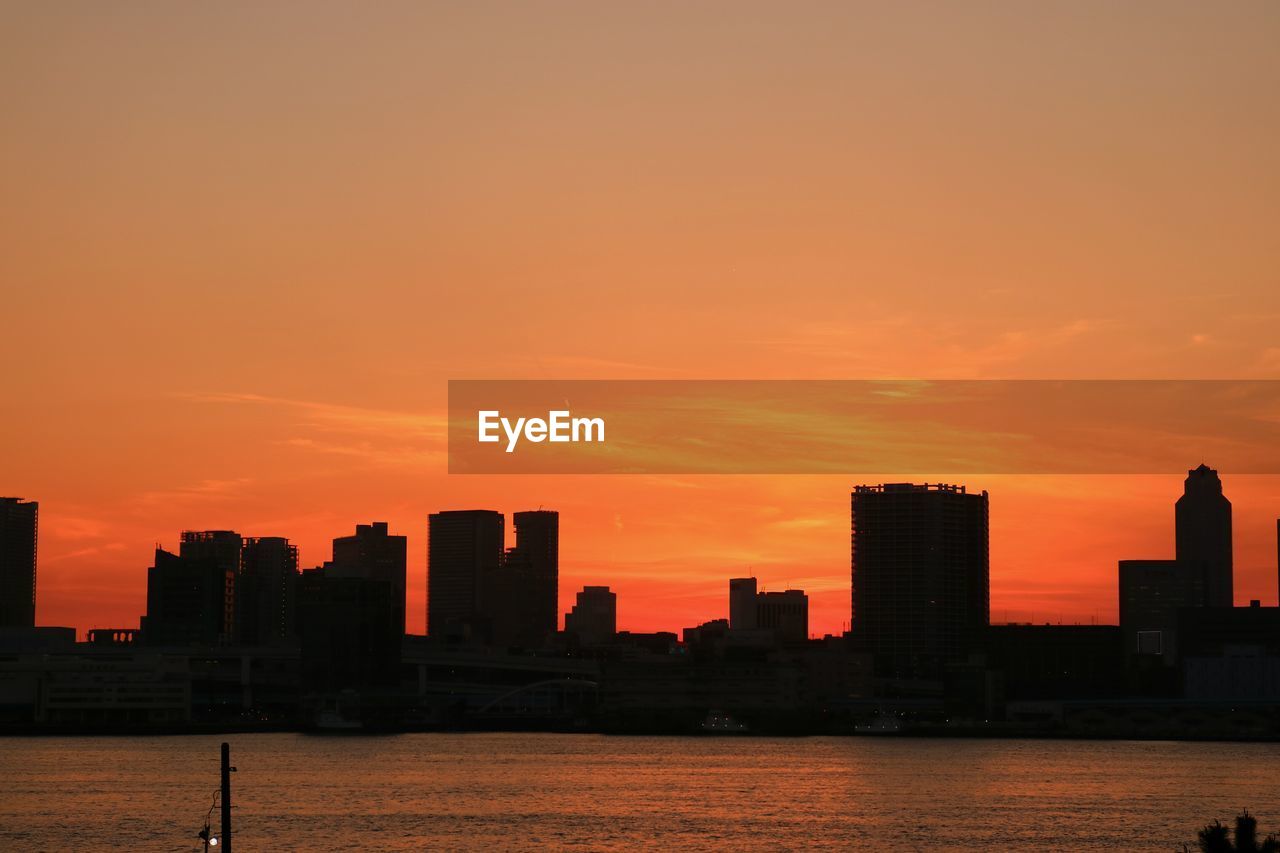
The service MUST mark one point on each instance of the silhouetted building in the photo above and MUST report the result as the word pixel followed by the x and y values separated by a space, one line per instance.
pixel 538 548
pixel 1230 653
pixel 519 597
pixel 707 632
pixel 475 589
pixel 187 601
pixel 1214 631
pixel 86 687
pixel 373 554
pixel 1203 533
pixel 221 548
pixel 347 630
pixel 1240 674
pixel 742 604
pixel 1153 591
pixel 921 576
pixel 351 613
pixel 44 638
pixel 114 636
pixel 1056 661
pixel 462 546
pixel 510 614
pixel 18 536
pixel 267 592
pixel 785 613
pixel 594 617
pixel 654 643
pixel 1151 594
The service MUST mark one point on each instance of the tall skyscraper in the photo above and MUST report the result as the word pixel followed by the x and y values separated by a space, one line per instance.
pixel 507 599
pixel 220 548
pixel 921 575
pixel 742 604
pixel 1153 591
pixel 520 597
pixel 1203 533
pixel 537 548
pixel 374 554
pixel 18 536
pixel 594 617
pixel 462 546
pixel 266 592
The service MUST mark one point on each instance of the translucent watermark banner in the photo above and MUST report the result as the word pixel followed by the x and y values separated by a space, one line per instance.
pixel 862 426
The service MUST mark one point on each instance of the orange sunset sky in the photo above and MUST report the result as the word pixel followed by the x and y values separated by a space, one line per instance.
pixel 243 247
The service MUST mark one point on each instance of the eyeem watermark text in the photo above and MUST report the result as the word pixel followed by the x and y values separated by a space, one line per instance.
pixel 558 426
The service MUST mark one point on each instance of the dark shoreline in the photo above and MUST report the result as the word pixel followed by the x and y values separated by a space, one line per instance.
pixel 924 733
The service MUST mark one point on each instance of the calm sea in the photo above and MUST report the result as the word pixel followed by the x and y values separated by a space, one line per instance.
pixel 514 791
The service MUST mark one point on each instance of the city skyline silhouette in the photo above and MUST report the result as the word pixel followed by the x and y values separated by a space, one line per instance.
pixel 236 632
pixel 1255 547
pixel 487 526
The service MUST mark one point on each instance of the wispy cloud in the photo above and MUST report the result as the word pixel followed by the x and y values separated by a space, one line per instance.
pixel 338 416
pixel 81 552
pixel 207 490
pixel 380 436
pixel 802 524
pixel 943 347
pixel 76 528
pixel 610 368
pixel 372 451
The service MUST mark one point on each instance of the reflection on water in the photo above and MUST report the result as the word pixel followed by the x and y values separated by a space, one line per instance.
pixel 431 791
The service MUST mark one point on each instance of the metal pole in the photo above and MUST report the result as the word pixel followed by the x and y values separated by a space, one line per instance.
pixel 226 797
